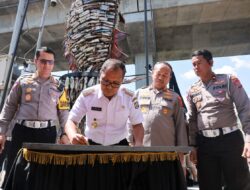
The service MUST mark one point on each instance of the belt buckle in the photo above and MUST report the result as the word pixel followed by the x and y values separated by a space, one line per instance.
pixel 211 133
pixel 44 124
pixel 37 124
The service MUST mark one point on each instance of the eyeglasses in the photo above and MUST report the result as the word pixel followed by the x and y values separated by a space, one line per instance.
pixel 112 84
pixel 44 61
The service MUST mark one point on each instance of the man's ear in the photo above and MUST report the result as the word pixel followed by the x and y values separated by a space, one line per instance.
pixel 211 62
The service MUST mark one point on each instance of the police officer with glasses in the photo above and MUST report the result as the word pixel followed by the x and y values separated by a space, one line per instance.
pixel 107 106
pixel 34 101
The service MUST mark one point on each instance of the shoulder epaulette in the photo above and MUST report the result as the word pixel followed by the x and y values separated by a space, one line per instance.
pixel 128 92
pixel 195 87
pixel 26 75
pixel 54 80
pixel 88 91
pixel 236 81
pixel 168 94
pixel 144 87
pixel 26 78
pixel 173 93
pixel 171 90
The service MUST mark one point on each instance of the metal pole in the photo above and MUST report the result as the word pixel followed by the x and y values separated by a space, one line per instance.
pixel 21 13
pixel 45 8
pixel 146 41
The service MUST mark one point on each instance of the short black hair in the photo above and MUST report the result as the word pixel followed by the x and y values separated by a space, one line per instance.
pixel 44 49
pixel 113 64
pixel 205 53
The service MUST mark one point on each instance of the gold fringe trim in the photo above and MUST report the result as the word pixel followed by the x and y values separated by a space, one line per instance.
pixel 91 158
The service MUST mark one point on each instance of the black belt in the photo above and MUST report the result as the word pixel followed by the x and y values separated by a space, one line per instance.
pixel 123 142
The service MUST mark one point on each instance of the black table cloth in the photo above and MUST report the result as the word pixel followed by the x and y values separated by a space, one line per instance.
pixel 69 167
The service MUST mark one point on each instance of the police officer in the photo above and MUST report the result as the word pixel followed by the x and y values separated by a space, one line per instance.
pixel 164 123
pixel 34 101
pixel 220 147
pixel 107 107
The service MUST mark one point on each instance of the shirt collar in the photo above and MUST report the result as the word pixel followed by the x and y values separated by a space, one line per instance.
pixel 100 93
pixel 35 76
pixel 157 91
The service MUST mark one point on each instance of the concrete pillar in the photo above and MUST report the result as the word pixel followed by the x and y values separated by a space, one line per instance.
pixel 140 64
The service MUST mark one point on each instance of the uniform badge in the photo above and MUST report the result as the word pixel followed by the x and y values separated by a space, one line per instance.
pixel 165 111
pixel 94 123
pixel 28 97
pixel 28 90
pixel 144 109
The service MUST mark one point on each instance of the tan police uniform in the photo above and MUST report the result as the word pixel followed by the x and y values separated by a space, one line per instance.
pixel 212 107
pixel 164 122
pixel 33 99
pixel 35 104
pixel 214 130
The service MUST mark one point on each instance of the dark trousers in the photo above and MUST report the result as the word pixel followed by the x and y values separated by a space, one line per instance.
pixel 123 142
pixel 221 156
pixel 21 134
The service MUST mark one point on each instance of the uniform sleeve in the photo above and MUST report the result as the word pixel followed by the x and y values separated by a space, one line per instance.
pixel 180 124
pixel 79 109
pixel 63 107
pixel 63 116
pixel 135 115
pixel 242 103
pixel 130 137
pixel 192 120
pixel 10 106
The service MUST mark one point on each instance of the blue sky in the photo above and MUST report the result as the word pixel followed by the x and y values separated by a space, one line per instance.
pixel 237 65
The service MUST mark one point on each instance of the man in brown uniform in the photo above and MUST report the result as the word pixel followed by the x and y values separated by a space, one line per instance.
pixel 164 122
pixel 34 102
pixel 220 147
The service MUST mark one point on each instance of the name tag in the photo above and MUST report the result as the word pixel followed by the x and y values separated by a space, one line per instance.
pixel 96 108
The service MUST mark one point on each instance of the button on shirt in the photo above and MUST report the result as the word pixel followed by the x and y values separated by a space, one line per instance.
pixel 211 106
pixel 106 119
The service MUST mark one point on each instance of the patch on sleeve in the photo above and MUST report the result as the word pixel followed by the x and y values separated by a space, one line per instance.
pixel 180 101
pixel 87 92
pixel 135 102
pixel 236 81
pixel 63 103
